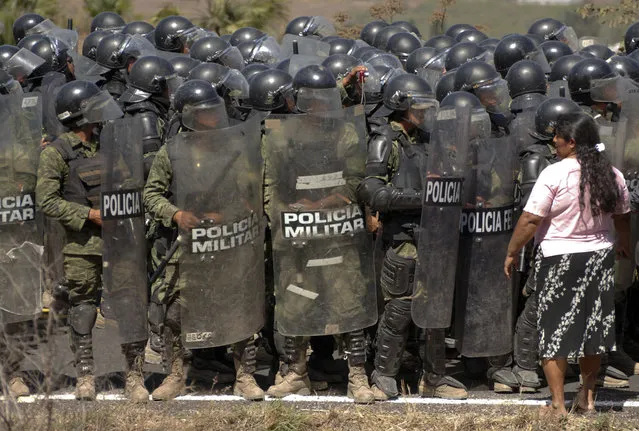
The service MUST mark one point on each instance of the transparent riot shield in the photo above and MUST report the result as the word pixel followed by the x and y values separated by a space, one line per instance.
pixel 520 129
pixel 218 178
pixel 438 242
pixel 323 261
pixel 305 46
pixel 51 84
pixel 122 210
pixel 484 316
pixel 20 232
pixel 613 135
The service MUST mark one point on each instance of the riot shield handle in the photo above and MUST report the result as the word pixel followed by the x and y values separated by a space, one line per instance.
pixel 296 48
pixel 69 23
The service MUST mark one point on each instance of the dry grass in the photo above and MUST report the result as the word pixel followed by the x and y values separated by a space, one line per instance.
pixel 283 417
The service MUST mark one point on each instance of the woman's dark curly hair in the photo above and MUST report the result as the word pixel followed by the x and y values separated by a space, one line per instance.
pixel 597 175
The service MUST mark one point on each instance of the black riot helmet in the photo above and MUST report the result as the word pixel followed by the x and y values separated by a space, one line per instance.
pixel 517 47
pixel 107 21
pixel 402 45
pixel 91 42
pixel 546 116
pixel 598 51
pixel 340 45
pixel 53 53
pixel 554 50
pixel 6 52
pixel 545 27
pixel 473 35
pixel 474 74
pixel 212 49
pixel 340 64
pixel 457 29
pixel 631 38
pixel 404 92
pixel 561 67
pixel 625 66
pixel 200 106
pixel 445 85
pixel 462 99
pixel 370 30
pixel 525 77
pixel 316 90
pixel 297 25
pixel 419 58
pixel 27 42
pixel 383 36
pixel 150 76
pixel 138 27
pixel 269 90
pixel 119 50
pixel 25 23
pixel 251 70
pixel 245 34
pixel 264 50
pixel 183 65
pixel 462 53
pixel 440 42
pixel 79 103
pixel 409 27
pixel 211 72
pixel 582 75
pixel 169 32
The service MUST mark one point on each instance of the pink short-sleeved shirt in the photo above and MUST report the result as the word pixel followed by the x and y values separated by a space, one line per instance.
pixel 565 228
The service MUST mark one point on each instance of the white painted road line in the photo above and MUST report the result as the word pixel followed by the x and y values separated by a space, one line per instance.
pixel 341 399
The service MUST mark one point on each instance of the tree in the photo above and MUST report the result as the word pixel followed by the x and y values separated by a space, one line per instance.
pixel 344 27
pixel 13 9
pixel 168 9
pixel 387 9
pixel 226 16
pixel 623 13
pixel 439 15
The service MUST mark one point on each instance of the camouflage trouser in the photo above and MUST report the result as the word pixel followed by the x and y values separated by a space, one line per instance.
pixel 83 274
pixel 341 292
pixel 165 294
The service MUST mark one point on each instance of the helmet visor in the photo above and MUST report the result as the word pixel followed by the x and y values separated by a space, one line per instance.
pixel 10 87
pixel 319 26
pixel 610 90
pixel 430 75
pixel 234 86
pixel 22 64
pixel 538 57
pixel 205 116
pixel 193 34
pixel 567 35
pixel 232 57
pixel 494 96
pixel 266 51
pixel 422 113
pixel 313 100
pixel 47 28
pixel 135 47
pixel 100 108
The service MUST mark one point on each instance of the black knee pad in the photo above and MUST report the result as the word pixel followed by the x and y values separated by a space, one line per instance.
pixel 397 275
pixel 82 318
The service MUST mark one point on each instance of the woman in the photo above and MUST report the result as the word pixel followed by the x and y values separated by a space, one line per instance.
pixel 571 211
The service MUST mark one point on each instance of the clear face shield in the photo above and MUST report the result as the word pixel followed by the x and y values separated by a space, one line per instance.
pixel 95 110
pixel 22 64
pixel 205 116
pixel 422 112
pixel 235 87
pixel 319 26
pixel 538 57
pixel 611 90
pixel 193 34
pixel 266 51
pixel 47 28
pixel 494 96
pixel 567 35
pixel 314 100
pixel 232 57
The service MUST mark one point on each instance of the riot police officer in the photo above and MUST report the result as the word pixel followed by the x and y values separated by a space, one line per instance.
pixel 393 187
pixel 68 189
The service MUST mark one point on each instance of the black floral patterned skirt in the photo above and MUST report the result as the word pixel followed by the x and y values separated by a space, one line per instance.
pixel 576 315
